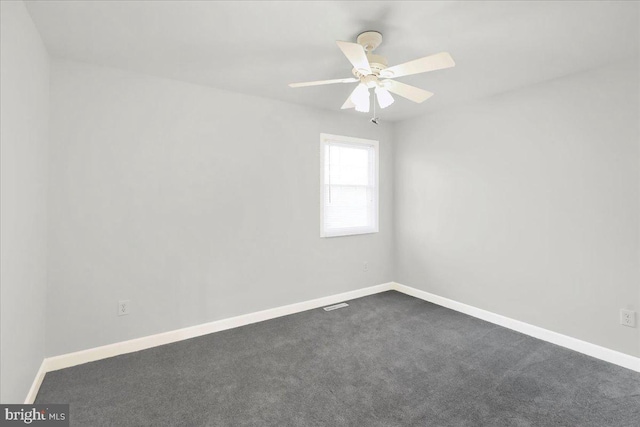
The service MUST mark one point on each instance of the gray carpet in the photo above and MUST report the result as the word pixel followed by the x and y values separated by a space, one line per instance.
pixel 386 360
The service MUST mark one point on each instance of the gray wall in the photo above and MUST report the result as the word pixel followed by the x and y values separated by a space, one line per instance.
pixel 195 203
pixel 24 82
pixel 527 204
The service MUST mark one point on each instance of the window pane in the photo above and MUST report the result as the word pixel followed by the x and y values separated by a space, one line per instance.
pixel 348 206
pixel 348 165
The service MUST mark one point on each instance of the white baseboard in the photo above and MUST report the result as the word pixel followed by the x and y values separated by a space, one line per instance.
pixel 110 350
pixel 37 382
pixel 84 356
pixel 593 350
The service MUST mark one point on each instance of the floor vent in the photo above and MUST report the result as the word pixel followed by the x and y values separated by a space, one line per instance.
pixel 336 306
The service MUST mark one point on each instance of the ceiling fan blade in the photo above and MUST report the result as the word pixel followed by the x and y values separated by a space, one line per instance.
pixel 356 55
pixel 412 93
pixel 422 65
pixel 324 82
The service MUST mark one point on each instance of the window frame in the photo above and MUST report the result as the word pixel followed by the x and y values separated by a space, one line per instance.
pixel 349 140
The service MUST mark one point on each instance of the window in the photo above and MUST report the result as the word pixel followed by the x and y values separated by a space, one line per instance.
pixel 349 186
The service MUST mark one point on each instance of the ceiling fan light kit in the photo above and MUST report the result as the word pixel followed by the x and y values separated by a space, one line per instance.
pixel 360 98
pixel 372 72
pixel 384 97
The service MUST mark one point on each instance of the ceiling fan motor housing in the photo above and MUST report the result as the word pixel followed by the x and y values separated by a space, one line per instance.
pixel 377 63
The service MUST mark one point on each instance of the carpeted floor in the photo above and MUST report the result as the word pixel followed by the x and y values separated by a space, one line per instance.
pixel 386 360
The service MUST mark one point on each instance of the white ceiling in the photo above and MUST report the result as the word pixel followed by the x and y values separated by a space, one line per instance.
pixel 260 47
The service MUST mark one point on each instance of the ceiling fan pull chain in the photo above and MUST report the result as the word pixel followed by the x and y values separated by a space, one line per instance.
pixel 375 119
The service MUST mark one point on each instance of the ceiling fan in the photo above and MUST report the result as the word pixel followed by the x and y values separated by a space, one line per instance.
pixel 372 72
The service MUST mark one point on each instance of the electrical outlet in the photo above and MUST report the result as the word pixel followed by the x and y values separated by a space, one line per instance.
pixel 628 318
pixel 124 307
pixel 365 266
